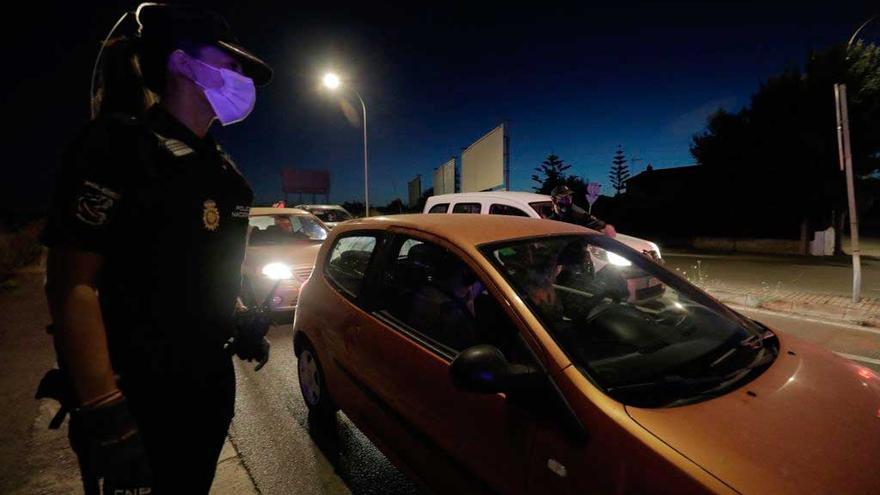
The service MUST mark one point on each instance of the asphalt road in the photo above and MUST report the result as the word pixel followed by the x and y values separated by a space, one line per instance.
pixel 271 429
pixel 271 432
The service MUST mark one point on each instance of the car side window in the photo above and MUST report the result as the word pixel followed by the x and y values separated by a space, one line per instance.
pixel 439 208
pixel 348 262
pixel 440 299
pixel 466 208
pixel 499 209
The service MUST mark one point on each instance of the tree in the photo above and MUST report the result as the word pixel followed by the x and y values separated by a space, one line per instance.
pixel 619 171
pixel 775 161
pixel 550 173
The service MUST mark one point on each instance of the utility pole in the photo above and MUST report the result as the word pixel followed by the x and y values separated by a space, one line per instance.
pixel 845 156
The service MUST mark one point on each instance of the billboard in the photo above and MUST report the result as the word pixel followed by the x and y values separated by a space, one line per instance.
pixel 484 163
pixel 305 181
pixel 415 191
pixel 444 178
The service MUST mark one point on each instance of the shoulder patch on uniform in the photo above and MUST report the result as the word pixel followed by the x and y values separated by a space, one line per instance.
pixel 94 202
pixel 174 146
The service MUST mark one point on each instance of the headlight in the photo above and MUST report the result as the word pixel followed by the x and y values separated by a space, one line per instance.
pixel 617 260
pixel 277 271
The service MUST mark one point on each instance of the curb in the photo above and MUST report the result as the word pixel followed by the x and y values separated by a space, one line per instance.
pixel 817 310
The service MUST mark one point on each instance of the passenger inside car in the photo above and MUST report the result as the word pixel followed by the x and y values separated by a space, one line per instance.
pixel 437 295
pixel 443 305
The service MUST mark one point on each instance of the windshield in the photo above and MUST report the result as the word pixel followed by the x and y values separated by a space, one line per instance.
pixel 642 334
pixel 331 215
pixel 266 230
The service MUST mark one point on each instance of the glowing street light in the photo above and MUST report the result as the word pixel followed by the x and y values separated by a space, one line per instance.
pixel 332 82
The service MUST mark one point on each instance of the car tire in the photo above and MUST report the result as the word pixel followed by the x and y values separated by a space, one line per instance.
pixel 313 383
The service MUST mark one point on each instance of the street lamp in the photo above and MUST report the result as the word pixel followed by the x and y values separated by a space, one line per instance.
pixel 332 82
pixel 845 157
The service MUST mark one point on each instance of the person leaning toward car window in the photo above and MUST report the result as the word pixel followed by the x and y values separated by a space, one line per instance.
pixel 564 211
pixel 146 237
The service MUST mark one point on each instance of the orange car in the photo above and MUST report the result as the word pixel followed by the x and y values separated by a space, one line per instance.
pixel 487 354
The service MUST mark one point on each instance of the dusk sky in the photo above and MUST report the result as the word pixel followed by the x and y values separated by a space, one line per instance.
pixel 575 81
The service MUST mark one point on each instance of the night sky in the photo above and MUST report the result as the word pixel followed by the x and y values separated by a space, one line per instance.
pixel 575 81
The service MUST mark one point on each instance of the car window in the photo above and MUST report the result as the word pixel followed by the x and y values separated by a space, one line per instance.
pixel 544 208
pixel 466 208
pixel 348 262
pixel 331 215
pixel 439 208
pixel 499 209
pixel 437 296
pixel 266 230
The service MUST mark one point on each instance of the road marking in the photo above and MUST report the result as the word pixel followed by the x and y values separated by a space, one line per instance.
pixel 862 359
pixel 848 326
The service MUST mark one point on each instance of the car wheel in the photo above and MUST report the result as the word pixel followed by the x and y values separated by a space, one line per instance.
pixel 312 382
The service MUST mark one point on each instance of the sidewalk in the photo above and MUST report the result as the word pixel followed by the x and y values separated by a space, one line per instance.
pixel 33 458
pixel 52 467
pixel 824 307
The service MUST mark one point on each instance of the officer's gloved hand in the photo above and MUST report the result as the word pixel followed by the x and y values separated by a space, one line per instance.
pixel 113 447
pixel 250 342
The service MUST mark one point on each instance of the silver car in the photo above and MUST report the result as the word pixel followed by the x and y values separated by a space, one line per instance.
pixel 281 248
pixel 331 215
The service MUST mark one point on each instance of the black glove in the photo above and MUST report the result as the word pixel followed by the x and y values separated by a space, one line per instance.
pixel 250 342
pixel 56 385
pixel 113 448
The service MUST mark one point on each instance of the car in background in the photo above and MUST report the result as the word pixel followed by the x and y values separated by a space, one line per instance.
pixel 281 247
pixel 331 215
pixel 526 204
pixel 489 355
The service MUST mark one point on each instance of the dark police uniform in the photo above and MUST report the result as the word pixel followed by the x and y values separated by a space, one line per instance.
pixel 168 211
pixel 578 217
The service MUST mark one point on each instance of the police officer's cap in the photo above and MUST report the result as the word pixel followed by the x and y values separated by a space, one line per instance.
pixel 162 25
pixel 561 190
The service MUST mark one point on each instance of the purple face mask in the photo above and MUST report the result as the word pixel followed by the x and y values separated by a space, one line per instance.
pixel 231 95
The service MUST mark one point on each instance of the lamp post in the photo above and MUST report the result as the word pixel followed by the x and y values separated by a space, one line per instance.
pixel 845 157
pixel 332 82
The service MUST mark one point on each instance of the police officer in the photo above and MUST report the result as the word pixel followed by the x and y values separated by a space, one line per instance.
pixel 146 236
pixel 564 211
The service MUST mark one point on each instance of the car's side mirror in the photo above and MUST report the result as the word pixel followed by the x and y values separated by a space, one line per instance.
pixel 483 369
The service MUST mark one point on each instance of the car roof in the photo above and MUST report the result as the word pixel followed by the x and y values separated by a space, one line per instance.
pixel 467 230
pixel 325 207
pixel 521 196
pixel 264 210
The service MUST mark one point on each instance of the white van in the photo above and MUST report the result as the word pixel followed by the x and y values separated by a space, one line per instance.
pixel 526 204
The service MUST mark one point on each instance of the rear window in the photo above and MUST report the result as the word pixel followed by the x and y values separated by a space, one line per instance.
pixel 466 208
pixel 348 262
pixel 498 209
pixel 439 208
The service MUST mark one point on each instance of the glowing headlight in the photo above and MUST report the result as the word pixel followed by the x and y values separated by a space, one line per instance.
pixel 277 271
pixel 617 260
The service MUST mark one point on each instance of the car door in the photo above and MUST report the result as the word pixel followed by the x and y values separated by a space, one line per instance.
pixel 481 443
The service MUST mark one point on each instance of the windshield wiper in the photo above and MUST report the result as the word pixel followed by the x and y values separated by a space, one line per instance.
pixel 671 382
pixel 755 342
pixel 676 382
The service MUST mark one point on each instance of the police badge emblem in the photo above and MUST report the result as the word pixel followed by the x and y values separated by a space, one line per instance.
pixel 211 215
